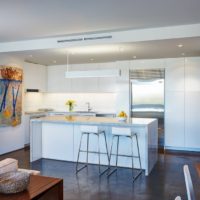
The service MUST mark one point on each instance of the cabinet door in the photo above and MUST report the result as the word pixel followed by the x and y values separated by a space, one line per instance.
pixel 192 99
pixel 192 116
pixel 56 79
pixel 192 74
pixel 174 119
pixel 57 141
pixel 84 84
pixel 35 77
pixel 174 75
pixel 107 84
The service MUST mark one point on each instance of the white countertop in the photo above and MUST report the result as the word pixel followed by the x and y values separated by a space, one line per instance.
pixel 67 112
pixel 95 120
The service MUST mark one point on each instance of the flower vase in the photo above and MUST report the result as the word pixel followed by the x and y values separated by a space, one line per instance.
pixel 71 108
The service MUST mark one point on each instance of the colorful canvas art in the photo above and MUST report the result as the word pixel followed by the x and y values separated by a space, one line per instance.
pixel 10 95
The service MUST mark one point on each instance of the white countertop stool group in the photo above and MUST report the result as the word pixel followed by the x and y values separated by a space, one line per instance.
pixel 87 130
pixel 119 132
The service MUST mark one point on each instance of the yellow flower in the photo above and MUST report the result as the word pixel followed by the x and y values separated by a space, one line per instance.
pixel 70 102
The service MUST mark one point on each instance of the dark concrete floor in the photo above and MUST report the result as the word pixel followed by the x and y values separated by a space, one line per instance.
pixel 165 182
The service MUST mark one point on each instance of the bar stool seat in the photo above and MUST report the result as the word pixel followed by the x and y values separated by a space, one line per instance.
pixel 89 130
pixel 118 132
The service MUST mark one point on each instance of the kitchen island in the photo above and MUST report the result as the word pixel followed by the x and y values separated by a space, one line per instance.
pixel 58 137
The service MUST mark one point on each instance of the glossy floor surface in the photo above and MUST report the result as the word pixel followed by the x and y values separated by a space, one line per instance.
pixel 165 182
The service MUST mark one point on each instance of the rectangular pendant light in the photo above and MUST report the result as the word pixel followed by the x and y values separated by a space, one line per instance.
pixel 93 73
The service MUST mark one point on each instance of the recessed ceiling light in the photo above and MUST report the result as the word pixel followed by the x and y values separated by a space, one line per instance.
pixel 54 61
pixel 91 59
pixel 134 57
pixel 180 45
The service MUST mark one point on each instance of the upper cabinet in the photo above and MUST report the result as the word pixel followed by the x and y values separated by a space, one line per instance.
pixel 175 74
pixel 35 76
pixel 192 74
pixel 58 83
pixel 84 84
pixel 107 84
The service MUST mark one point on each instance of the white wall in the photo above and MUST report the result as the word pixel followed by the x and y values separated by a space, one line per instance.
pixel 11 138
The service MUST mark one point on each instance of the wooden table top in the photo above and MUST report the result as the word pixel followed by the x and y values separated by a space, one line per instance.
pixel 198 168
pixel 37 186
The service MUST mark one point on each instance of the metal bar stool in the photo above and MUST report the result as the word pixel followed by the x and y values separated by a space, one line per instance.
pixel 88 130
pixel 125 132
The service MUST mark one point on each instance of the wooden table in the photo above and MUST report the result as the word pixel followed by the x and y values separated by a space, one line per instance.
pixel 198 168
pixel 40 188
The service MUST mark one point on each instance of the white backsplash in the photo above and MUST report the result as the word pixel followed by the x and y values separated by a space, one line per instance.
pixel 103 102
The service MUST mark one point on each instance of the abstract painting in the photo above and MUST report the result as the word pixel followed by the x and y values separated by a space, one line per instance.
pixel 10 95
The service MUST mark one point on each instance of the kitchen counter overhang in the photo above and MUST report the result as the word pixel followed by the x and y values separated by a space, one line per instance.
pixel 58 137
pixel 97 121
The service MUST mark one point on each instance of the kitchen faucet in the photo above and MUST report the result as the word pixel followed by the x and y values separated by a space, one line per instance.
pixel 88 106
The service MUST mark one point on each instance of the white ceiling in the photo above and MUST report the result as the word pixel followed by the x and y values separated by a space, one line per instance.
pixel 29 19
pixel 109 53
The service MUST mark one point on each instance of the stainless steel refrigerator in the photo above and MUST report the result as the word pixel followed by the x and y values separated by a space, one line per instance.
pixel 147 97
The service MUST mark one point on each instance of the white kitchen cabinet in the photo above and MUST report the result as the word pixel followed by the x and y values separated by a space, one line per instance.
pixel 192 74
pixel 174 74
pixel 192 116
pixel 35 76
pixel 107 84
pixel 192 99
pixel 84 85
pixel 58 83
pixel 53 145
pixel 56 79
pixel 174 119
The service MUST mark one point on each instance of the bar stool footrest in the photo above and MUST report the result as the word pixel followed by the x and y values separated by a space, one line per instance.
pixel 110 173
pixel 78 170
pixel 138 174
pixel 130 156
pixel 96 152
pixel 103 172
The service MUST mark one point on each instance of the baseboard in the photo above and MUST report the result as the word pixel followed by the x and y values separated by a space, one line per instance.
pixel 182 149
pixel 182 152
pixel 27 146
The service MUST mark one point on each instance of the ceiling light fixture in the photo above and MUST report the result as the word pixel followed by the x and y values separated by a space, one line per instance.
pixel 180 45
pixel 93 49
pixel 134 57
pixel 93 73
